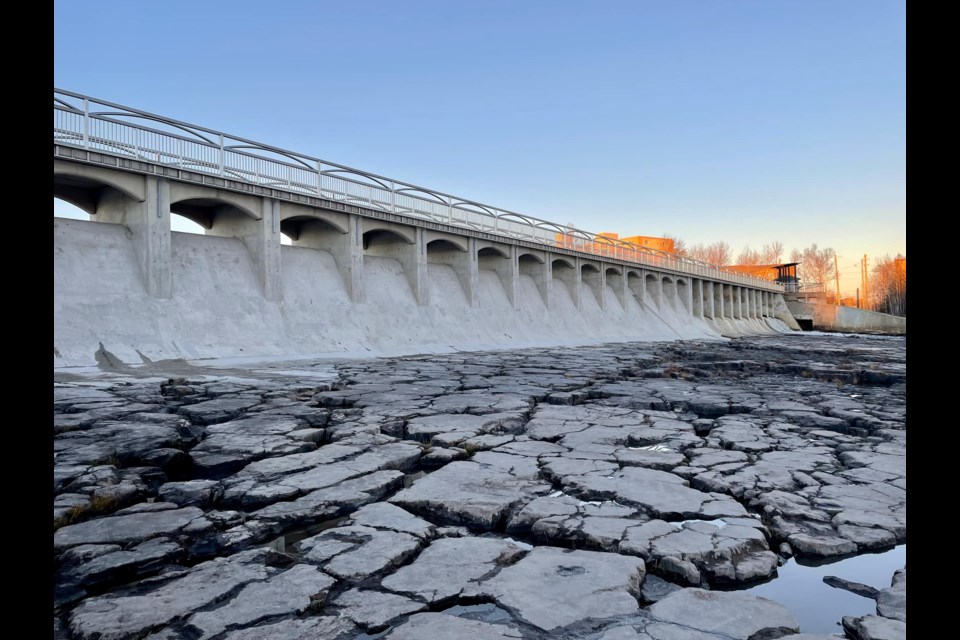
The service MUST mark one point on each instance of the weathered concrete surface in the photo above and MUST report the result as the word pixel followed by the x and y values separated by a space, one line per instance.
pixel 601 492
pixel 218 307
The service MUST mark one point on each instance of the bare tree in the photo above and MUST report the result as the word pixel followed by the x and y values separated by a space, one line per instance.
pixel 679 244
pixel 772 253
pixel 888 285
pixel 717 254
pixel 749 256
pixel 817 265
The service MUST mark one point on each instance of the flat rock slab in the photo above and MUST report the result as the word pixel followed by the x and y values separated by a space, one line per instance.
pixel 732 614
pixel 326 627
pixel 127 528
pixel 290 592
pixel 892 602
pixel 374 610
pixel 120 618
pixel 355 553
pixel 661 494
pixel 874 628
pixel 451 567
pixel 440 625
pixel 552 588
pixel 469 493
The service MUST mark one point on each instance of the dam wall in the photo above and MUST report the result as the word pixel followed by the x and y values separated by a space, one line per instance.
pixel 217 307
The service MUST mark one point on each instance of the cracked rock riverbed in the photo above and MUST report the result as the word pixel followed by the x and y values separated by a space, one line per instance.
pixel 606 492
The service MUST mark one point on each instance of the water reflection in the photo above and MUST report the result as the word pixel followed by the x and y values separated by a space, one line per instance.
pixel 819 607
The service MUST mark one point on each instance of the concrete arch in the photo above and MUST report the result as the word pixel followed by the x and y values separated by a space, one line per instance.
pixel 492 251
pixel 296 226
pixel 379 237
pixel 537 256
pixel 442 244
pixel 295 212
pixel 208 212
pixel 205 197
pixel 461 243
pixel 609 270
pixel 563 263
pixel 407 234
pixel 589 266
pixel 84 185
pixel 88 193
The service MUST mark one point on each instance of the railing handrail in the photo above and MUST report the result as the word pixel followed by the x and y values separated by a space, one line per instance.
pixel 497 220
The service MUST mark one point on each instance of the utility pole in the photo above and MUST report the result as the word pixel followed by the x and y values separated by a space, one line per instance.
pixel 863 282
pixel 866 282
pixel 836 272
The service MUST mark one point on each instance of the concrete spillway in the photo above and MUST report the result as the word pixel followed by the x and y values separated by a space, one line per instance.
pixel 217 308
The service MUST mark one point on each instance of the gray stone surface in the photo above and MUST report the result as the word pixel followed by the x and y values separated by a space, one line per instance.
pixel 290 592
pixel 439 625
pixel 380 475
pixel 373 610
pixel 732 614
pixel 126 528
pixel 120 618
pixel 551 588
pixel 452 567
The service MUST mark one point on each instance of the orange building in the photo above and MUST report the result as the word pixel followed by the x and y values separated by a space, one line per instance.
pixel 598 246
pixel 765 271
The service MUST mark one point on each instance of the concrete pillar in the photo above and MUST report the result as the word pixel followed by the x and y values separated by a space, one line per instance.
pixel 514 289
pixel 738 303
pixel 149 226
pixel 688 303
pixel 264 246
pixel 417 271
pixel 548 281
pixel 353 260
pixel 709 300
pixel 473 274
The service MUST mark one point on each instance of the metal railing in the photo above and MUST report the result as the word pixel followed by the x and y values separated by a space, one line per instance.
pixel 102 126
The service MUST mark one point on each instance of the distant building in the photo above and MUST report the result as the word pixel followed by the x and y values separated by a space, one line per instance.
pixel 785 274
pixel 601 247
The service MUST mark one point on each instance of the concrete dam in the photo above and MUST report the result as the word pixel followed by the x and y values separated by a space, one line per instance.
pixel 376 266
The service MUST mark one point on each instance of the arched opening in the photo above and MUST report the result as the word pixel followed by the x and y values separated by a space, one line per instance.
pixel 383 241
pixel 83 198
pixel 683 295
pixel 309 232
pixel 591 276
pixel 635 286
pixel 614 279
pixel 448 262
pixel 487 257
pixel 533 266
pixel 652 288
pixel 565 273
pixel 440 247
pixel 68 210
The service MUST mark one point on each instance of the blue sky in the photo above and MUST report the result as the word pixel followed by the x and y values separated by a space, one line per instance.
pixel 746 121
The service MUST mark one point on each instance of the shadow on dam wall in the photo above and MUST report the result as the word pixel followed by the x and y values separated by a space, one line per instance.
pixel 217 310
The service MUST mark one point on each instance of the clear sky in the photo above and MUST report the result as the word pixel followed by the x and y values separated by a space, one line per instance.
pixel 746 121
